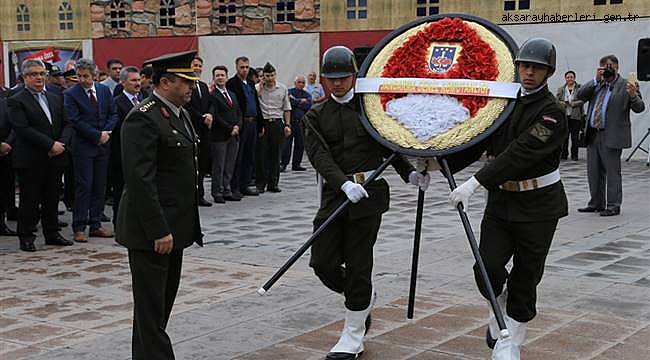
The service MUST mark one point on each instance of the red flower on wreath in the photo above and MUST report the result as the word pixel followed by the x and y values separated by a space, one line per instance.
pixel 477 60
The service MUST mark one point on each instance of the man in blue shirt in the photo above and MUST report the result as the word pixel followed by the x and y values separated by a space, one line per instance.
pixel 301 101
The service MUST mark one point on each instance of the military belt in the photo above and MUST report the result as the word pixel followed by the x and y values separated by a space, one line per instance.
pixel 360 177
pixel 532 184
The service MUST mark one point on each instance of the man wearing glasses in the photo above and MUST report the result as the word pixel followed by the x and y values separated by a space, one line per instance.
pixel 38 122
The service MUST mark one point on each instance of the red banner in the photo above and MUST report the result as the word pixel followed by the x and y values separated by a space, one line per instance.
pixel 50 55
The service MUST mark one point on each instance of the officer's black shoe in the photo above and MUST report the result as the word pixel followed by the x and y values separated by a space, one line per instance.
pixel 260 189
pixel 283 168
pixel 489 340
pixel 6 231
pixel 58 240
pixel 249 191
pixel 219 199
pixel 204 202
pixel 610 212
pixel 298 168
pixel 342 356
pixel 27 244
pixel 61 224
pixel 105 218
pixel 590 209
pixel 274 189
pixel 60 212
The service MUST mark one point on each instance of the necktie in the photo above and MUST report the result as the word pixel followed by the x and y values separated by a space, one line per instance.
pixel 135 101
pixel 598 114
pixel 225 95
pixel 42 101
pixel 93 99
pixel 198 89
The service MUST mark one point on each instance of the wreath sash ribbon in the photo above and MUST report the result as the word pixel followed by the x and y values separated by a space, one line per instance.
pixel 460 87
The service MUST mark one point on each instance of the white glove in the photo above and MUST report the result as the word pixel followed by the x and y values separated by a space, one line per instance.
pixel 462 193
pixel 354 192
pixel 417 179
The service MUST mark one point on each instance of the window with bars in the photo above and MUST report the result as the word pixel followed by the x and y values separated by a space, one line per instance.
pixel 65 16
pixel 510 5
pixel 427 7
pixel 167 13
pixel 227 12
pixel 22 18
pixel 285 11
pixel 357 9
pixel 117 14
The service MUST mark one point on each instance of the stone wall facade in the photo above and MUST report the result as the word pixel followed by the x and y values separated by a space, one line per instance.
pixel 204 17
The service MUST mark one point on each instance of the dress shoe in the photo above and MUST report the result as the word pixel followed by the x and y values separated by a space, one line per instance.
pixel 298 168
pixel 590 209
pixel 219 199
pixel 62 224
pixel 27 245
pixel 101 232
pixel 260 190
pixel 249 191
pixel 80 236
pixel 231 197
pixel 6 231
pixel 489 341
pixel 574 158
pixel 274 189
pixel 342 356
pixel 109 201
pixel 283 168
pixel 610 212
pixel 204 202
pixel 60 212
pixel 57 239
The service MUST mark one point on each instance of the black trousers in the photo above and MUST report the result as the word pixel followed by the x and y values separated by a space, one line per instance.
pixel 296 138
pixel 527 243
pixel 6 186
pixel 38 186
pixel 574 129
pixel 155 280
pixel 267 159
pixel 342 257
pixel 245 163
pixel 117 179
pixel 68 185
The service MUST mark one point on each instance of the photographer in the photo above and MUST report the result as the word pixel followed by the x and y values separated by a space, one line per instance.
pixel 608 132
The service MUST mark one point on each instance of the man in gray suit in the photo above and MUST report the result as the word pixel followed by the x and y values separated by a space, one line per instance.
pixel 608 132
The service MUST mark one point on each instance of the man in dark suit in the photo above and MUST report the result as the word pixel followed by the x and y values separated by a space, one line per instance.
pixel 91 109
pixel 224 137
pixel 6 176
pixel 608 132
pixel 129 97
pixel 39 124
pixel 200 108
pixel 251 126
pixel 158 215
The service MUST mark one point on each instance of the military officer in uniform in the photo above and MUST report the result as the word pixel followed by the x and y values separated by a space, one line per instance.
pixel 158 215
pixel 344 154
pixel 525 194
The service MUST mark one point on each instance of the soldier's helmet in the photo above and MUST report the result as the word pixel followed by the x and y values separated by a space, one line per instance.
pixel 338 62
pixel 538 51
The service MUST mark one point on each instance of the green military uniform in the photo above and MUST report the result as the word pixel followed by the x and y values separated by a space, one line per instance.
pixel 160 197
pixel 528 145
pixel 349 240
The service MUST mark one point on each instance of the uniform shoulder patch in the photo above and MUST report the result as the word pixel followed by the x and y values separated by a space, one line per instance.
pixel 146 106
pixel 541 132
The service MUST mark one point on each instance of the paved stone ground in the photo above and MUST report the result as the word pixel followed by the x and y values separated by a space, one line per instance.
pixel 594 300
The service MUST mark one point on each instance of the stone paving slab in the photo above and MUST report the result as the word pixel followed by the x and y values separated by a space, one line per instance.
pixel 594 300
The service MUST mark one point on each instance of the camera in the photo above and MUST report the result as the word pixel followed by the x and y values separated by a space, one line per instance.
pixel 609 71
